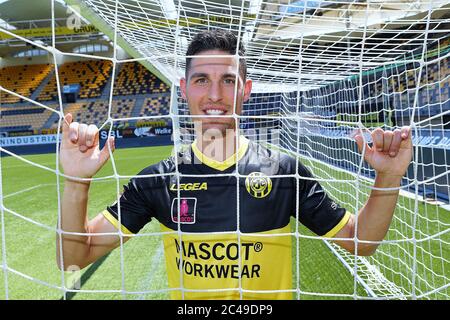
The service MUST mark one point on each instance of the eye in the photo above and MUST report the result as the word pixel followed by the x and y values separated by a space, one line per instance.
pixel 201 81
pixel 229 81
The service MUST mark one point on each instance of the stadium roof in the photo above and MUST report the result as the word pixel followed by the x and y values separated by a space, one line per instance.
pixel 19 10
pixel 322 41
pixel 33 21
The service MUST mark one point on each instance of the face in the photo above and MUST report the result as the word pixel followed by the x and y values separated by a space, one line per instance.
pixel 210 89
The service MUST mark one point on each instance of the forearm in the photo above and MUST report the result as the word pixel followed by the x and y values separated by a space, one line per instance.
pixel 75 248
pixel 390 156
pixel 375 217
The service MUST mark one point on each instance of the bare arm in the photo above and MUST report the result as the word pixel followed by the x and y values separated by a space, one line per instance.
pixel 81 158
pixel 374 218
pixel 390 157
pixel 82 250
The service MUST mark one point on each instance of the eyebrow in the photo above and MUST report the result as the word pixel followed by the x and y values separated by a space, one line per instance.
pixel 205 75
pixel 232 75
pixel 198 75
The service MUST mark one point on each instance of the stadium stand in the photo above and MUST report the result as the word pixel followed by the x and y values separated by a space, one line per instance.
pixel 134 78
pixel 134 83
pixel 155 106
pixel 24 118
pixel 96 112
pixel 91 75
pixel 394 88
pixel 23 80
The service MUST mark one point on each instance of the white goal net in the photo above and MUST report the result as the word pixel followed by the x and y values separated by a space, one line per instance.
pixel 321 70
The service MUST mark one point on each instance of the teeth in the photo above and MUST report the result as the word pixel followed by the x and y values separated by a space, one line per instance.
pixel 214 112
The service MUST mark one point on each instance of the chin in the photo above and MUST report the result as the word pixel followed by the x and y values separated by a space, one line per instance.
pixel 216 130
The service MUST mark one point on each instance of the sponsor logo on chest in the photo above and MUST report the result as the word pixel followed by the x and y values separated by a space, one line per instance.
pixel 258 185
pixel 184 210
pixel 195 186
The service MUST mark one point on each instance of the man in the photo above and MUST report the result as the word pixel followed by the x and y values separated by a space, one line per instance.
pixel 235 241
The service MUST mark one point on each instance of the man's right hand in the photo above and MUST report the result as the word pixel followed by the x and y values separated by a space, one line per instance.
pixel 80 154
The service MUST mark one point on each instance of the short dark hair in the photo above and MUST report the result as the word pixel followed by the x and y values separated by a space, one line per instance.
pixel 217 39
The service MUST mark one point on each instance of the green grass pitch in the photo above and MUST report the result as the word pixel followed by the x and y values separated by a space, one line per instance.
pixel 30 248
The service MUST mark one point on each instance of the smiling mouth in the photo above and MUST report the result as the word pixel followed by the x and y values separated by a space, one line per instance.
pixel 214 112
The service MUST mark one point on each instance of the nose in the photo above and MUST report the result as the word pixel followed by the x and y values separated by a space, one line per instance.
pixel 215 92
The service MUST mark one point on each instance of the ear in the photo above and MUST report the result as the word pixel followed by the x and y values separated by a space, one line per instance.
pixel 247 89
pixel 183 88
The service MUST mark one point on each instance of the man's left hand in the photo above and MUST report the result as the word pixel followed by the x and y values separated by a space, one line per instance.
pixel 391 151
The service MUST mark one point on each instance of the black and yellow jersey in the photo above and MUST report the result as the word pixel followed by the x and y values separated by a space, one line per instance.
pixel 234 220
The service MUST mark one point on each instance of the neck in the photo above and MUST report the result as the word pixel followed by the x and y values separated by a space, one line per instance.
pixel 218 147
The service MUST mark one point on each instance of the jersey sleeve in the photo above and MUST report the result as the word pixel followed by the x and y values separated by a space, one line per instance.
pixel 317 211
pixel 135 207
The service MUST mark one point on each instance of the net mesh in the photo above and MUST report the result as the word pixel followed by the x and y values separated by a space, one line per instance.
pixel 322 70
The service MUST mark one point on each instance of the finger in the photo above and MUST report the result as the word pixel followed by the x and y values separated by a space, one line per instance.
pixel 387 137
pixel 360 143
pixel 91 135
pixel 73 132
pixel 378 139
pixel 406 132
pixel 67 120
pixel 406 137
pixel 82 131
pixel 395 144
pixel 104 153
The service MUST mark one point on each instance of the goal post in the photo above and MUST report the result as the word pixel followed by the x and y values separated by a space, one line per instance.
pixel 322 71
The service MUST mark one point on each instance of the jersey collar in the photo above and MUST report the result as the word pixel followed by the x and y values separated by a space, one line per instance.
pixel 221 165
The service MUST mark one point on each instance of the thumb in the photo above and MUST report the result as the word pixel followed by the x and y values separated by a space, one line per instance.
pixel 360 143
pixel 104 153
